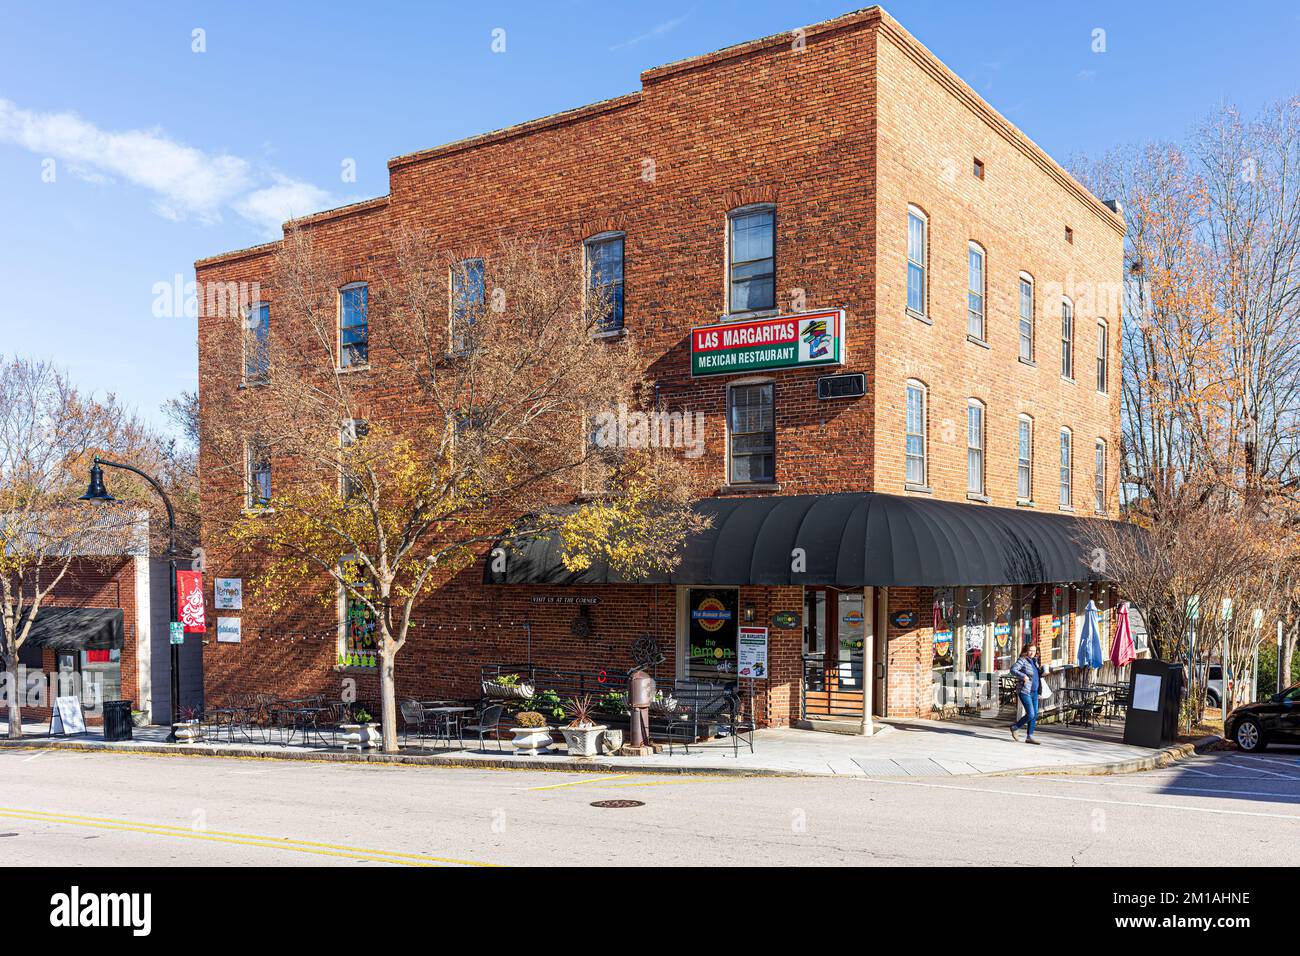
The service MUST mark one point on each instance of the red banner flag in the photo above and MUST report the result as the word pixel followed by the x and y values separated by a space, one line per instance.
pixel 189 601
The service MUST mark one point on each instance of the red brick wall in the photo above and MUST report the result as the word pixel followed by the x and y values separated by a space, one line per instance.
pixel 841 128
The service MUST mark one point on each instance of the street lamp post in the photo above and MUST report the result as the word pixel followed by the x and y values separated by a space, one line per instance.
pixel 96 492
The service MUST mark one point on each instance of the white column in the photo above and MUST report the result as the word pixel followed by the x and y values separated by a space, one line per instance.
pixel 143 637
pixel 868 659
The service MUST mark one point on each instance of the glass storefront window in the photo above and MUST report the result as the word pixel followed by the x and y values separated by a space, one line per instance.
pixel 975 629
pixel 711 635
pixel 852 631
pixel 1059 633
pixel 101 676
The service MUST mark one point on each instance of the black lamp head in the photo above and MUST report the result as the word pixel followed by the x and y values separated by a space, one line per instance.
pixel 96 491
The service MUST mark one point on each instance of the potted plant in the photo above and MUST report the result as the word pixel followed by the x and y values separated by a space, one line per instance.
pixel 139 718
pixel 531 734
pixel 360 731
pixel 186 730
pixel 508 687
pixel 582 734
pixel 547 703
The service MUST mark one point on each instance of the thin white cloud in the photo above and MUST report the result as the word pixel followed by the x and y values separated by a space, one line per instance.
pixel 666 27
pixel 185 182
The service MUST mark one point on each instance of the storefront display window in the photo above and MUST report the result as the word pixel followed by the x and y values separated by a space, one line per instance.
pixel 975 629
pixel 941 658
pixel 1059 633
pixel 101 675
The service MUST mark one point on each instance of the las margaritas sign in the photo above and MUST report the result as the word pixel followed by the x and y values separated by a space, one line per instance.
pixel 787 341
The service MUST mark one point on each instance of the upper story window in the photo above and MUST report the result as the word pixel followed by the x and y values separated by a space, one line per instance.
pixel 918 241
pixel 1067 476
pixel 257 341
pixel 605 278
pixel 354 325
pixel 751 421
pixel 1025 458
pixel 977 168
pixel 1026 317
pixel 468 294
pixel 1103 336
pixel 975 284
pixel 350 434
pixel 1100 480
pixel 1067 339
pixel 258 474
pixel 915 446
pixel 751 272
pixel 975 447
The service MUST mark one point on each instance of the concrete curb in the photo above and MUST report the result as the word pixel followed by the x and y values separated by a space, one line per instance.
pixel 1161 758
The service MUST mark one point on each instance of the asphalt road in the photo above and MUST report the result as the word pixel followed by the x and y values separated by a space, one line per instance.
pixel 72 808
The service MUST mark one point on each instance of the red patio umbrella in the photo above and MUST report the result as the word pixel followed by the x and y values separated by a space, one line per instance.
pixel 1122 651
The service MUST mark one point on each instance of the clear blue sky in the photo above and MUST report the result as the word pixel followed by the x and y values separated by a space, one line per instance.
pixel 163 155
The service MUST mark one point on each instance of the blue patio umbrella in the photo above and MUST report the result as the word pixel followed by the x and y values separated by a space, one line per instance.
pixel 1090 639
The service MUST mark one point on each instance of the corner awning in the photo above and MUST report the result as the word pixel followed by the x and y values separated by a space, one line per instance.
pixel 853 539
pixel 76 629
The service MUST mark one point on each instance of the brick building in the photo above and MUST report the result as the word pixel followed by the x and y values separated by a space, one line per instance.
pixel 857 210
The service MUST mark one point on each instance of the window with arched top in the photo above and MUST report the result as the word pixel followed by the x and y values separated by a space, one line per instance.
pixel 1025 458
pixel 1026 317
pixel 1099 486
pixel 918 247
pixel 976 284
pixel 1067 467
pixel 1103 342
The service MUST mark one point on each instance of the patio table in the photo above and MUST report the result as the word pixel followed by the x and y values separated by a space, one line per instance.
pixel 449 716
pixel 1087 697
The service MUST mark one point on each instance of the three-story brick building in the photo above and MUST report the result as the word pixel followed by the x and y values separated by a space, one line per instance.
pixel 911 381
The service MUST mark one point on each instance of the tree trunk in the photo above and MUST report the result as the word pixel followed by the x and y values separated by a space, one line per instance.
pixel 1288 654
pixel 387 695
pixel 15 699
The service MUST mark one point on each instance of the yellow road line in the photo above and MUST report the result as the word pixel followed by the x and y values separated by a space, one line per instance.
pixel 578 783
pixel 237 839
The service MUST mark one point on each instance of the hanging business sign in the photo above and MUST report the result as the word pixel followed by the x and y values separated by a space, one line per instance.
pixel 229 630
pixel 751 652
pixel 787 341
pixel 902 619
pixel 786 620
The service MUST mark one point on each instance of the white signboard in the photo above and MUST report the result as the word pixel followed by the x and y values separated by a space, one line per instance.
pixel 751 652
pixel 229 630
pixel 67 717
pixel 228 594
pixel 1146 692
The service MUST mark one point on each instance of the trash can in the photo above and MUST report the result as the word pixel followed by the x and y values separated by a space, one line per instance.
pixel 117 720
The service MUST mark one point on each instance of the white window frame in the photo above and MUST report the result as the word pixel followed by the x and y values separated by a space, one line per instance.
pixel 974 252
pixel 455 269
pixel 247 337
pixel 342 365
pixel 1066 462
pixel 1025 459
pixel 1067 338
pixel 922 264
pixel 1103 357
pixel 587 244
pixel 347 436
pixel 975 448
pixel 732 214
pixel 252 500
pixel 1099 479
pixel 924 390
pixel 1026 280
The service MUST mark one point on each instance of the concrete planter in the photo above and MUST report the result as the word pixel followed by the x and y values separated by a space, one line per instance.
pixel 360 736
pixel 531 740
pixel 583 741
pixel 187 731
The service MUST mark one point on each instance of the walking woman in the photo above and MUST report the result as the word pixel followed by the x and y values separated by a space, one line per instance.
pixel 1030 673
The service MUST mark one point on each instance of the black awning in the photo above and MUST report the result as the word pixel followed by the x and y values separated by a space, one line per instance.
pixel 76 629
pixel 850 540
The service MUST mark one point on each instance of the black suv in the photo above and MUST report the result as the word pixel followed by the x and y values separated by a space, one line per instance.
pixel 1276 720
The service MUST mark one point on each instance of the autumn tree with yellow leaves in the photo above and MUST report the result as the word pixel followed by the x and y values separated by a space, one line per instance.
pixel 491 372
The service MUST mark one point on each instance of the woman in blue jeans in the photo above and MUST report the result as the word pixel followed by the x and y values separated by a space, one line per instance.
pixel 1030 673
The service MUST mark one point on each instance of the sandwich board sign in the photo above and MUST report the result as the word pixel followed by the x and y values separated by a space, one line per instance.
pixel 751 652
pixel 67 718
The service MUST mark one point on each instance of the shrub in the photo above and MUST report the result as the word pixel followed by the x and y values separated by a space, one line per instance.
pixel 530 718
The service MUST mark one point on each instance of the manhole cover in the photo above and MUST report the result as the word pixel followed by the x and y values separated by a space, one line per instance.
pixel 617 804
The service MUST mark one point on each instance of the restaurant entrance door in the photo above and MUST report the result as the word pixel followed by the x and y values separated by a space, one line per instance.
pixel 837 625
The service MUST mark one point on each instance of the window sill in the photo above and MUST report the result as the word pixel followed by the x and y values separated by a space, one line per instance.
pixel 918 489
pixel 746 316
pixel 1030 362
pixel 349 369
pixel 254 383
pixel 757 486
pixel 1069 508
pixel 1025 503
pixel 1100 513
pixel 1066 378
pixel 975 340
pixel 610 333
pixel 257 512
pixel 919 316
pixel 973 496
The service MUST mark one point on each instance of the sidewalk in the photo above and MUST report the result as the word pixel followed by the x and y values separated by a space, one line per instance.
pixel 900 748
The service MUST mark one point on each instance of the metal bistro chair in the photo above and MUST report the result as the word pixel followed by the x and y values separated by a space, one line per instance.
pixel 414 716
pixel 489 722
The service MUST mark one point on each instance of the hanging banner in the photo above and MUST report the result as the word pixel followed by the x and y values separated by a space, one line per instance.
pixel 189 601
pixel 787 341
